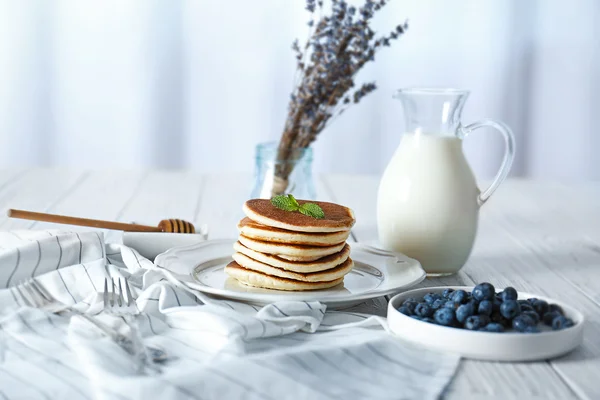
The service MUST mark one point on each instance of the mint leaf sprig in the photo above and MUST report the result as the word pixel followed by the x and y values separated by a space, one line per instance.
pixel 289 203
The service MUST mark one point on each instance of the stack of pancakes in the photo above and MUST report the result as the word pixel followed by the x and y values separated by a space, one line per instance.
pixel 286 250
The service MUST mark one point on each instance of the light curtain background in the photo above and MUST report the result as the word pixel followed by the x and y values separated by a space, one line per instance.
pixel 196 84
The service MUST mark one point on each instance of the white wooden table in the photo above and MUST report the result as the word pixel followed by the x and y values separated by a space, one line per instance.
pixel 538 237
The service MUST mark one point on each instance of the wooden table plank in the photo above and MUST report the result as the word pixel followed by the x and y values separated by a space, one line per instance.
pixel 554 238
pixel 527 270
pixel 221 204
pixel 164 195
pixel 477 379
pixel 36 190
pixel 9 177
pixel 539 237
pixel 101 195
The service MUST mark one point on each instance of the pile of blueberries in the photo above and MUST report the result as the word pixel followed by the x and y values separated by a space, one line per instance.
pixel 485 310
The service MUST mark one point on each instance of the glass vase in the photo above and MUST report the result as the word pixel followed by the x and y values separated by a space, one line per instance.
pixel 268 180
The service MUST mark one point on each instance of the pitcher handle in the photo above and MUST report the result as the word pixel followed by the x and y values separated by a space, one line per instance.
pixel 509 154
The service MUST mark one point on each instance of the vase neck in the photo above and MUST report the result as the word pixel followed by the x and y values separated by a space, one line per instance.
pixel 290 176
pixel 432 111
pixel 267 154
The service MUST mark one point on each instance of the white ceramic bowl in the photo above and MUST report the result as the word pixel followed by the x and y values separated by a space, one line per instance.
pixel 506 346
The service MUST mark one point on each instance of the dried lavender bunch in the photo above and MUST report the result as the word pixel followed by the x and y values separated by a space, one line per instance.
pixel 337 48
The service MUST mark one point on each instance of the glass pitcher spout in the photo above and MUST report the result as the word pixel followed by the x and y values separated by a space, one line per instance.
pixel 432 111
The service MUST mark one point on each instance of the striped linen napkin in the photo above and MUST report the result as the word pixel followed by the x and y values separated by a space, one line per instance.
pixel 216 349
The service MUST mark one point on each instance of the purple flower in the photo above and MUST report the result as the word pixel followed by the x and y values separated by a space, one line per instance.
pixel 341 43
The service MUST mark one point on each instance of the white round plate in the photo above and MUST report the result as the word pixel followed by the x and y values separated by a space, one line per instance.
pixel 376 273
pixel 506 346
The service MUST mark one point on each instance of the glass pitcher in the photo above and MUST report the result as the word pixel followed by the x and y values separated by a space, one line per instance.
pixel 428 200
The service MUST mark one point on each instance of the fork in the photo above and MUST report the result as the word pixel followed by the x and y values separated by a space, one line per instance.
pixel 34 295
pixel 118 304
pixel 114 302
pixel 41 299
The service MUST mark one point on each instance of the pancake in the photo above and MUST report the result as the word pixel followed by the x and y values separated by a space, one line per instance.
pixel 258 279
pixel 254 230
pixel 290 250
pixel 320 264
pixel 337 218
pixel 300 258
pixel 321 276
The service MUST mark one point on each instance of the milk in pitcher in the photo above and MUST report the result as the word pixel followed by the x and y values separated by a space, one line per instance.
pixel 428 200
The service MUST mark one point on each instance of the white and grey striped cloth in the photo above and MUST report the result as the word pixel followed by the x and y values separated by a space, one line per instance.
pixel 217 349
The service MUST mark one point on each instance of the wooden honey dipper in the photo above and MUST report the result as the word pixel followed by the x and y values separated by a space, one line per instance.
pixel 166 225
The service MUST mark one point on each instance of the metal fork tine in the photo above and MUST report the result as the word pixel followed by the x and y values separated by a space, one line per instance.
pixel 129 296
pixel 113 293
pixel 120 298
pixel 26 300
pixel 105 294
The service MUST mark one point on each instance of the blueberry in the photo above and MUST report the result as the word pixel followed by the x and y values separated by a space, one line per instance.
pixel 531 300
pixel 410 300
pixel 429 320
pixel 527 307
pixel 410 305
pixel 496 305
pixel 521 322
pixel 549 317
pixel 561 322
pixel 476 322
pixel 459 296
pixel 405 310
pixel 533 315
pixel 498 318
pixel 447 293
pixel 423 310
pixel 485 308
pixel 509 293
pixel 484 291
pixel 451 304
pixel 493 327
pixel 532 329
pixel 429 298
pixel 416 317
pixel 439 303
pixel 444 316
pixel 523 303
pixel 540 307
pixel 510 309
pixel 556 308
pixel 464 311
